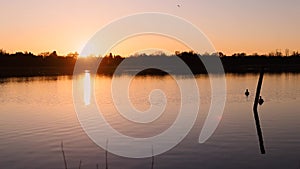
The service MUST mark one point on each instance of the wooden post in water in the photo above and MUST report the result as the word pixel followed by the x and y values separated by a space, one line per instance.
pixel 256 117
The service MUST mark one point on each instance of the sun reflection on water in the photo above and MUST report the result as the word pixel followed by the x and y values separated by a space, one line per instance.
pixel 87 88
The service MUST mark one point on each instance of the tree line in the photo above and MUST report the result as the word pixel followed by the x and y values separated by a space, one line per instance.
pixel 50 63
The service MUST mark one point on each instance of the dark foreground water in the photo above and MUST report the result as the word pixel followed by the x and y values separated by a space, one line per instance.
pixel 36 114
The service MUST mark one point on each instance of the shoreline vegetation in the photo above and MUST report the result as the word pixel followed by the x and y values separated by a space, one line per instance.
pixel 26 64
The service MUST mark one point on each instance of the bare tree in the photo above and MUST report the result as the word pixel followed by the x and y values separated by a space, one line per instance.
pixel 287 52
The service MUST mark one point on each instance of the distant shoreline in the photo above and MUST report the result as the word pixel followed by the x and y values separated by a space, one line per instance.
pixel 29 65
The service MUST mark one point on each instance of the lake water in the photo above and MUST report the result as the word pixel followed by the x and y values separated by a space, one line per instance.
pixel 37 113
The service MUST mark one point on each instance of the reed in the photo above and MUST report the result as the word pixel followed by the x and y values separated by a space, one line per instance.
pixel 152 163
pixel 106 157
pixel 106 154
pixel 64 156
pixel 79 164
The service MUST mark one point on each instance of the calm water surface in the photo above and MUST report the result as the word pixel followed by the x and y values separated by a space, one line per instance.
pixel 36 114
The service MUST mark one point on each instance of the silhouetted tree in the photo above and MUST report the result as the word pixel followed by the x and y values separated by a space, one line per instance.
pixel 278 53
pixel 44 54
pixel 53 54
pixel 287 52
pixel 221 54
pixel 73 55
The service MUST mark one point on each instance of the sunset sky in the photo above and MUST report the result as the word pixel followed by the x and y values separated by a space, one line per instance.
pixel 231 25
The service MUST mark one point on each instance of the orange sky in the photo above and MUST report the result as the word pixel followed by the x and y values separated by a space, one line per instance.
pixel 231 25
pixel 148 44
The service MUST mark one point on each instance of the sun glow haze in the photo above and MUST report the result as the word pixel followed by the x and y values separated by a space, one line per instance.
pixel 148 44
pixel 232 26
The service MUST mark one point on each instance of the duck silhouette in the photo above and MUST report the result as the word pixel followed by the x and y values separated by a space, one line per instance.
pixel 247 92
pixel 260 100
